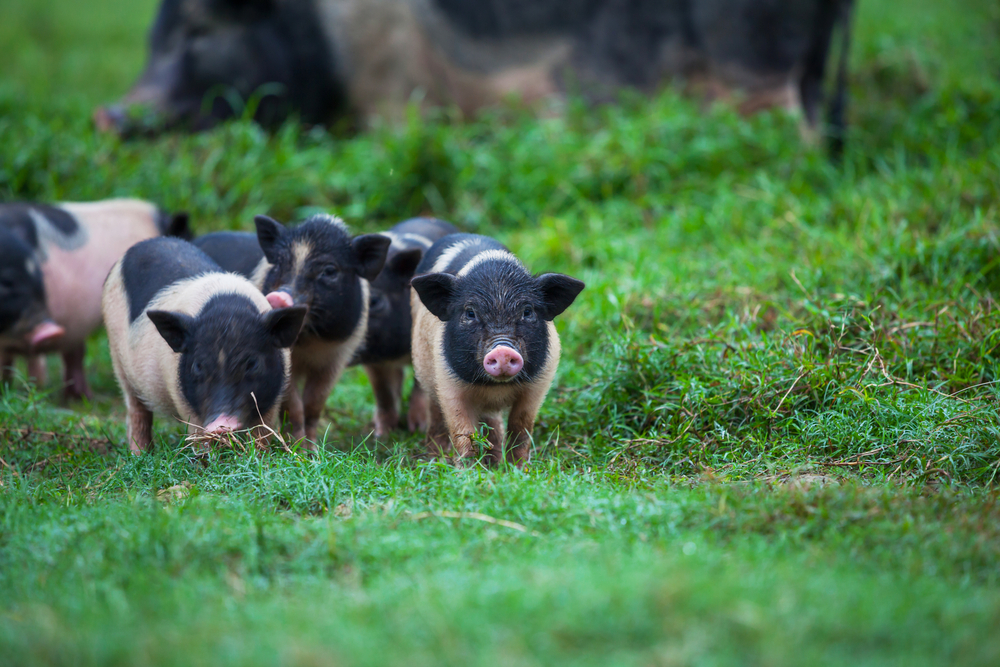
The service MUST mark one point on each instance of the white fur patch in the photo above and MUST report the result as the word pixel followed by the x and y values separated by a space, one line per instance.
pixel 488 256
pixel 402 241
pixel 48 235
pixel 448 256
pixel 332 220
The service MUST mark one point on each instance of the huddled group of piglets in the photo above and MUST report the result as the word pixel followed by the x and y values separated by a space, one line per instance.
pixel 231 330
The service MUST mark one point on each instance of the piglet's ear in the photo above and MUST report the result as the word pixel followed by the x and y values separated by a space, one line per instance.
pixel 269 232
pixel 178 224
pixel 405 262
pixel 371 250
pixel 558 292
pixel 283 325
pixel 436 292
pixel 174 327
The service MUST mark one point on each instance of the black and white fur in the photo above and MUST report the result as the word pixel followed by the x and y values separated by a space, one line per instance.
pixel 472 297
pixel 385 353
pixel 53 262
pixel 317 264
pixel 194 342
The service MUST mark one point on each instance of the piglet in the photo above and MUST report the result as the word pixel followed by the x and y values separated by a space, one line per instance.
pixel 53 262
pixel 386 350
pixel 484 342
pixel 194 342
pixel 319 265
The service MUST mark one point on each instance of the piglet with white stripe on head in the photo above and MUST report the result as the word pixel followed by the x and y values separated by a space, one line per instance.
pixel 484 343
pixel 192 341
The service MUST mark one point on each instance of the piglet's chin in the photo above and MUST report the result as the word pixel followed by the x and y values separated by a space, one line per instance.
pixel 223 424
pixel 280 300
pixel 45 332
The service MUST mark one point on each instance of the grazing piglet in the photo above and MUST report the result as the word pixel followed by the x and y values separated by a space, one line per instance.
pixel 484 342
pixel 386 350
pixel 53 262
pixel 192 341
pixel 319 265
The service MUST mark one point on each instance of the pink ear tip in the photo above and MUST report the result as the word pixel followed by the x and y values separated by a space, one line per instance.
pixel 280 300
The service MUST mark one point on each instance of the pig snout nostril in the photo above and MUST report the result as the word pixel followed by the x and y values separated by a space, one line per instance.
pixel 503 362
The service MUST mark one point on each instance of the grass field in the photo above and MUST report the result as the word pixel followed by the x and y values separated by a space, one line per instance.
pixel 773 440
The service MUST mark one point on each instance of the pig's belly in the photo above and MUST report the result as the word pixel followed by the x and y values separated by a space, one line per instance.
pixel 73 284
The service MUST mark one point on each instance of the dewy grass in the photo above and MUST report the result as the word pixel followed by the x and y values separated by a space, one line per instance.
pixel 773 438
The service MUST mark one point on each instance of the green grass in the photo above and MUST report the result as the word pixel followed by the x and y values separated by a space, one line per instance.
pixel 774 437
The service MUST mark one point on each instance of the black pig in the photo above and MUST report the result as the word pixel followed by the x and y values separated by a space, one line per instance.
pixel 484 342
pixel 386 350
pixel 192 341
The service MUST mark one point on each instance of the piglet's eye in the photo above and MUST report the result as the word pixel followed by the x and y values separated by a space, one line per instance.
pixel 251 365
pixel 471 314
pixel 528 312
pixel 330 272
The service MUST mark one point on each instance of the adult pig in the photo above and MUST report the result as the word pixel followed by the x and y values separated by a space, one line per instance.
pixel 317 264
pixel 194 342
pixel 484 342
pixel 56 260
pixel 321 59
pixel 386 350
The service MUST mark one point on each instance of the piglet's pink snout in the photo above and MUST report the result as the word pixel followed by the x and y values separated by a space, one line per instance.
pixel 503 361
pixel 223 424
pixel 46 332
pixel 280 300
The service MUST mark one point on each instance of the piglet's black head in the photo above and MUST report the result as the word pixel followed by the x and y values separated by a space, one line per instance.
pixel 22 293
pixel 389 309
pixel 319 265
pixel 496 306
pixel 228 352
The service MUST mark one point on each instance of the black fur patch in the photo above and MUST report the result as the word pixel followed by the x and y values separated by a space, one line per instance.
pixel 230 326
pixel 238 252
pixel 153 264
pixel 497 300
pixel 22 292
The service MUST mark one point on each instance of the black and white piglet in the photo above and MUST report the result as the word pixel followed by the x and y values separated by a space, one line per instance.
pixel 319 265
pixel 484 342
pixel 53 262
pixel 386 350
pixel 192 341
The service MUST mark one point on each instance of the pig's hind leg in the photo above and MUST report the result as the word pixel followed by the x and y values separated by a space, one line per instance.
pixel 387 385
pixel 75 385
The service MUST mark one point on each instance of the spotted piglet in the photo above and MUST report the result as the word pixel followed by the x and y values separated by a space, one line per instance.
pixel 319 265
pixel 53 262
pixel 194 342
pixel 386 350
pixel 484 342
